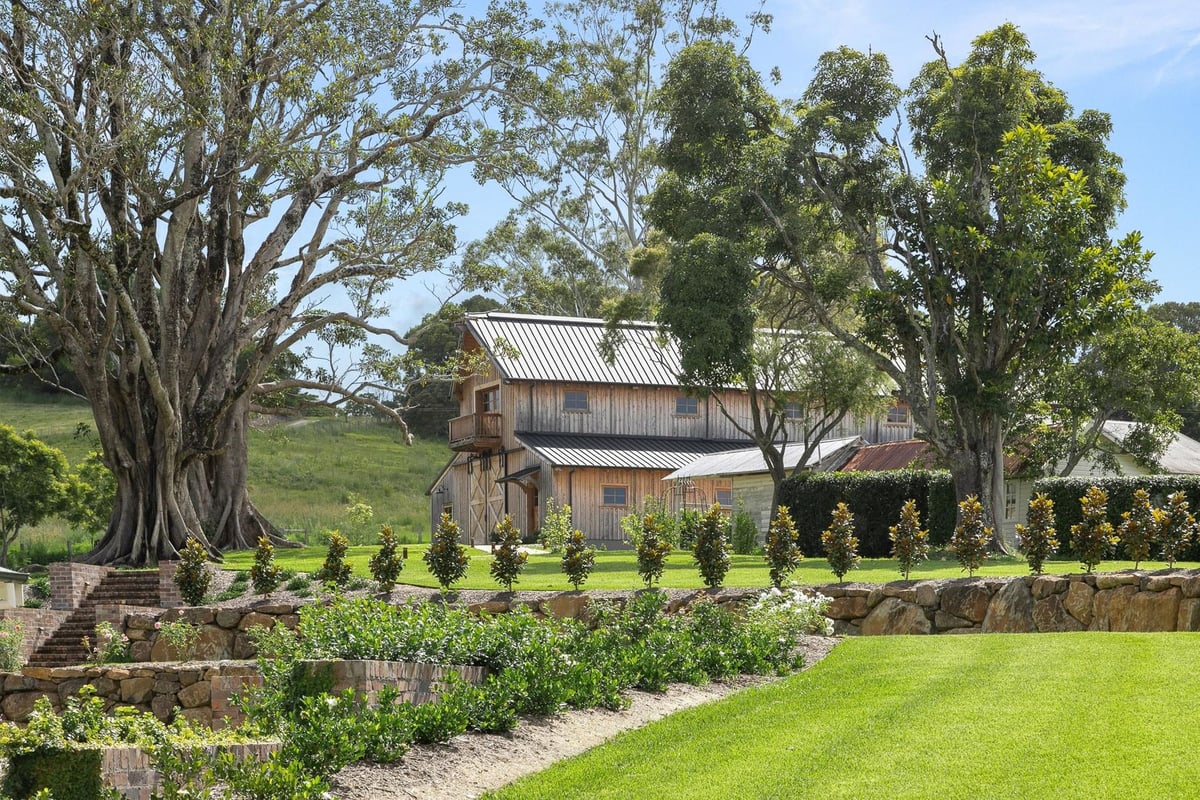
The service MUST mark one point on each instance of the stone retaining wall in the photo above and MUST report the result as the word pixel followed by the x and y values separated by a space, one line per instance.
pixel 202 692
pixel 1167 600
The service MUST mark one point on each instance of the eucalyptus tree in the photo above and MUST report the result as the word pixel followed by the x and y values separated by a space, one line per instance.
pixel 193 189
pixel 572 245
pixel 978 251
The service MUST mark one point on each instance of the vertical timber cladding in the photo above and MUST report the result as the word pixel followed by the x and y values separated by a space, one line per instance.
pixel 487 497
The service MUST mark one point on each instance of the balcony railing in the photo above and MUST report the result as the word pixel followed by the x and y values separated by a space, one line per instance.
pixel 475 431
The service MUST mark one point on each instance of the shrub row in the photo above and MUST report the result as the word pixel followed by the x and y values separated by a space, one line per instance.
pixel 1066 494
pixel 875 498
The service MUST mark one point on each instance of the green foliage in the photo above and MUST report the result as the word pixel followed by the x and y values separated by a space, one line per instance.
pixel 711 550
pixel 840 543
pixel 783 550
pixel 33 483
pixel 446 559
pixel 556 526
pixel 11 639
pixel 812 496
pixel 578 559
pixel 1066 493
pixel 265 574
pixel 64 775
pixel 91 492
pixel 1176 527
pixel 1094 535
pixel 192 576
pixel 387 564
pixel 37 591
pixel 180 635
pixel 910 544
pixel 111 647
pixel 1139 527
pixel 745 532
pixel 971 537
pixel 795 611
pixel 689 526
pixel 652 545
pixel 335 570
pixel 508 560
pixel 1038 539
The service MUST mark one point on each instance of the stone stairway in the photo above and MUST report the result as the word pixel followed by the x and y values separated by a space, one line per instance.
pixel 119 587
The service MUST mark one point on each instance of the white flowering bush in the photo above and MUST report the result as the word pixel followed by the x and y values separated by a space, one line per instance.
pixel 794 610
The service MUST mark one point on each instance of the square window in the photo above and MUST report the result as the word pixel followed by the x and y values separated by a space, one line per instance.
pixel 575 401
pixel 615 496
pixel 792 411
pixel 898 415
pixel 489 400
pixel 724 498
pixel 687 406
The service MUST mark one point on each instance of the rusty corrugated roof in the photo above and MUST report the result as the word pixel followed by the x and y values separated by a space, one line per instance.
pixel 567 349
pixel 890 455
pixel 621 452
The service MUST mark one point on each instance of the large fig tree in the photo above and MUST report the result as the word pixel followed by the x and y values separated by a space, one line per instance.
pixel 192 187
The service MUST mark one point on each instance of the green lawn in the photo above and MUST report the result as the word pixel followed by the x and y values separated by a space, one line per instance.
pixel 617 569
pixel 1000 716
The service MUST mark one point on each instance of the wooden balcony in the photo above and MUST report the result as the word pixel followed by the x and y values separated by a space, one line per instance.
pixel 475 432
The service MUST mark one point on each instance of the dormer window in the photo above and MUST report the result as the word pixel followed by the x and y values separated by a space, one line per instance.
pixel 575 401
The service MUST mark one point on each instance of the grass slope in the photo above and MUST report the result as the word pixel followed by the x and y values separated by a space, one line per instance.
pixel 1000 716
pixel 617 569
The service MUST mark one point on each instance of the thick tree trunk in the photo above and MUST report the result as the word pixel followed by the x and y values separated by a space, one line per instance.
pixel 977 468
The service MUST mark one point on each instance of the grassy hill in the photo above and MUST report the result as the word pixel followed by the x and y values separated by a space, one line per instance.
pixel 302 472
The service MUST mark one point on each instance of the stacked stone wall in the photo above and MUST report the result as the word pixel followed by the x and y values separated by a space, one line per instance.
pixel 1167 600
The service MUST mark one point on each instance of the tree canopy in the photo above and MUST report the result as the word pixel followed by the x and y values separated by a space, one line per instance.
pixel 965 263
pixel 192 190
pixel 33 484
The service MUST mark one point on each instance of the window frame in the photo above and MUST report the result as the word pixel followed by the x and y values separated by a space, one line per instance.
pixel 792 410
pixel 898 409
pixel 692 406
pixel 571 398
pixel 604 495
pixel 719 493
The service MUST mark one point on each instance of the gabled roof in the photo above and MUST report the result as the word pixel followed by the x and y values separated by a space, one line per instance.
pixel 567 349
pixel 620 452
pixel 750 461
pixel 1182 456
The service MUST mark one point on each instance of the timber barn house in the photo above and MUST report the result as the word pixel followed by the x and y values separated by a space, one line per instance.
pixel 546 416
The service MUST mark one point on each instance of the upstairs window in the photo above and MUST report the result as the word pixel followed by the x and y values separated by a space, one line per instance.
pixel 793 411
pixel 575 401
pixel 615 496
pixel 897 415
pixel 687 406
pixel 489 400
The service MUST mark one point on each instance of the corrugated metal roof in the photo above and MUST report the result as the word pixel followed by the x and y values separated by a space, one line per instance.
pixel 567 349
pixel 620 452
pixel 889 455
pixel 1182 456
pixel 750 461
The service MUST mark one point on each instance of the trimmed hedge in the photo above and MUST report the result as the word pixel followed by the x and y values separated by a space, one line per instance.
pixel 68 774
pixel 1065 492
pixel 875 498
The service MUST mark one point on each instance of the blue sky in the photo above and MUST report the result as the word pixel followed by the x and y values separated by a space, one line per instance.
pixel 1137 61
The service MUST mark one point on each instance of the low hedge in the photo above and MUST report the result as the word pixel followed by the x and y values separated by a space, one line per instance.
pixel 1065 492
pixel 71 774
pixel 875 498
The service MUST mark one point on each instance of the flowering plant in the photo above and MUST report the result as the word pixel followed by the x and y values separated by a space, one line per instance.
pixel 112 646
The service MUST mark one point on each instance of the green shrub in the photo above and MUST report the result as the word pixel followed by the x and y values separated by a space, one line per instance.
pixel 711 550
pixel 877 497
pixel 1038 539
pixel 335 570
pixel 508 561
pixel 1176 527
pixel 556 526
pixel 387 564
pixel 111 647
pixel 298 583
pixel 72 774
pixel 578 559
pixel 1094 535
pixel 264 572
pixel 745 532
pixel 840 543
pixel 192 576
pixel 12 636
pixel 971 538
pixel 689 526
pixel 446 559
pixel 1066 493
pixel 783 552
pixel 652 546
pixel 1139 528
pixel 180 636
pixel 910 544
